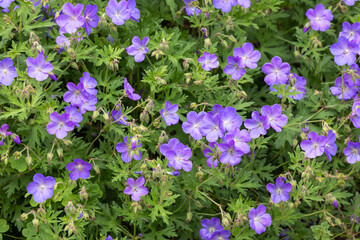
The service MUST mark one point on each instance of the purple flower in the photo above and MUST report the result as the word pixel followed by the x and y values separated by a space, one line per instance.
pixel 5 3
pixel 74 116
pixel 230 119
pixel 216 110
pixel 134 12
pixel 193 124
pixel 244 3
pixel 248 56
pixel 108 238
pixel 330 145
pixel 274 115
pixel 62 41
pixel 76 94
pixel 91 18
pixel 119 117
pixel 221 235
pixel 344 51
pixel 7 72
pixel 208 61
pixel 258 219
pixel 279 191
pixel 209 153
pixel 344 87
pixel 136 189
pixel 335 203
pixel 352 152
pixel 350 2
pixel 224 5
pixel 71 20
pixel 4 133
pixel 118 11
pixel 169 113
pixel 15 138
pixel 89 104
pixel 212 127
pixel 355 113
pixel 42 188
pixel 79 169
pixel 319 18
pixel 129 150
pixel 130 91
pixel 229 154
pixel 138 48
pixel 297 84
pixel 89 83
pixel 235 67
pixel 277 71
pixel 351 32
pixel 174 173
pixel 240 138
pixel 210 227
pixel 257 125
pixel 60 125
pixel 38 68
pixel 178 154
pixel 190 9
pixel 314 146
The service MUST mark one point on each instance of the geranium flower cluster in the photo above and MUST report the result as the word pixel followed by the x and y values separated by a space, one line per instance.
pixel 315 145
pixel 72 18
pixel 42 188
pixel 190 8
pixel 82 98
pixel 129 149
pixel 244 56
pixel 212 230
pixel 278 74
pixel 226 5
pixel 178 154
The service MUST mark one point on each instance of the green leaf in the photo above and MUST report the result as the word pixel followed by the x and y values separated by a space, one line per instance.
pixel 4 227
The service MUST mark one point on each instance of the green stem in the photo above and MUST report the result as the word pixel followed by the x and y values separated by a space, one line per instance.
pixel 148 59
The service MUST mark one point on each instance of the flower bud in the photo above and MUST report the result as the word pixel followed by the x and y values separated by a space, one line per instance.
pixel 188 77
pixel 60 152
pixel 50 156
pixel 208 42
pixel 189 216
pixel 24 216
pixel 226 220
pixel 144 116
pixel 163 45
pixel 74 64
pixel 17 155
pixel 83 194
pixel 186 64
pixel 28 161
pixel 95 114
pixel 150 106
pixel 106 116
pixel 193 105
pixel 96 169
pixel 71 51
pixel 35 222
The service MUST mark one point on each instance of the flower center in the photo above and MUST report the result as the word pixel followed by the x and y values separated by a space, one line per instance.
pixel 135 189
pixel 38 69
pixel 346 51
pixel 354 151
pixel 42 186
pixel 211 229
pixel 5 71
pixel 278 191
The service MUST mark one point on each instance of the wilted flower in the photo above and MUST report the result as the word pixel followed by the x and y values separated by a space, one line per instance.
pixel 129 90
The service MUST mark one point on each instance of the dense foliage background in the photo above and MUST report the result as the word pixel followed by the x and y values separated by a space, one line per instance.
pixel 324 200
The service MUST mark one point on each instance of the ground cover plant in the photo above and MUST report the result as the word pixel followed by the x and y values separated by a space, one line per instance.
pixel 171 119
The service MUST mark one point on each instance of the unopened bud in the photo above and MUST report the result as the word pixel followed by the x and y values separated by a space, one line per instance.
pixel 144 116
pixel 17 155
pixel 72 54
pixel 83 194
pixel 189 216
pixel 163 45
pixel 96 169
pixel 106 116
pixel 60 152
pixel 28 161
pixel 50 156
pixel 208 42
pixel 66 142
pixel 35 222
pixel 24 216
pixel 95 114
